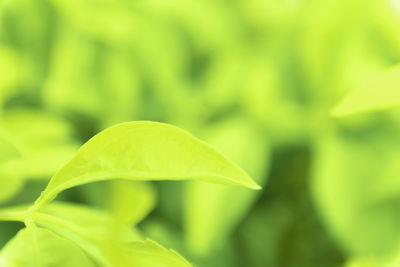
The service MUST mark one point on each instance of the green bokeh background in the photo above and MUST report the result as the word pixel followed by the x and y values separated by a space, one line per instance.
pixel 257 79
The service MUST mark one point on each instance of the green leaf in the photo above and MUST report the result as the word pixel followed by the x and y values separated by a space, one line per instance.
pixel 364 262
pixel 38 247
pixel 145 151
pixel 213 211
pixel 9 186
pixel 375 93
pixel 131 201
pixel 44 140
pixel 32 127
pixel 40 163
pixel 87 221
pixel 104 239
pixel 391 260
pixel 121 83
pixel 151 254
pixel 10 69
pixel 104 20
pixel 89 228
pixel 10 183
pixel 356 188
pixel 7 149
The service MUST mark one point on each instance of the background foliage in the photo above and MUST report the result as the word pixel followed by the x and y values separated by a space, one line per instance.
pixel 302 94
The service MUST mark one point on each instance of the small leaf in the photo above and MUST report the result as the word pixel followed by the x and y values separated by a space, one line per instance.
pixel 145 151
pixel 131 201
pixel 374 93
pixel 151 254
pixel 38 247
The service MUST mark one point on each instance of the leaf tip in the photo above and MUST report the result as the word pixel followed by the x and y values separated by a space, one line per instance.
pixel 254 185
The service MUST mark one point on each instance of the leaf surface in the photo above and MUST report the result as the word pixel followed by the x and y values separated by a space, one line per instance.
pixel 145 151
pixel 151 254
pixel 104 239
pixel 38 247
pixel 89 228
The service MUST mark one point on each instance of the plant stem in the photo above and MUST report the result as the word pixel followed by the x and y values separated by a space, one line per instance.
pixel 26 215
pixel 19 216
pixel 42 217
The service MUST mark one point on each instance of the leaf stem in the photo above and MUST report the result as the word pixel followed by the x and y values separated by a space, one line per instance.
pixel 18 216
pixel 35 216
pixel 43 217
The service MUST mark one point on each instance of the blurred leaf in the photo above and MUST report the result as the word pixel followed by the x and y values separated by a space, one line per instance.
pixel 393 260
pixel 145 151
pixel 321 62
pixel 356 187
pixel 362 263
pixel 131 201
pixel 262 98
pixel 208 23
pixel 104 20
pixel 121 89
pixel 10 186
pixel 10 183
pixel 213 211
pixel 36 127
pixel 44 140
pixel 72 84
pixel 375 93
pixel 10 73
pixel 148 254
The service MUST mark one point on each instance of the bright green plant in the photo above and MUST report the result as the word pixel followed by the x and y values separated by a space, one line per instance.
pixel 257 79
pixel 61 234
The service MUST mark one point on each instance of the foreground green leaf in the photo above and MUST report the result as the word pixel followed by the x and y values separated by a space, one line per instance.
pixel 145 151
pixel 151 254
pixel 88 228
pixel 38 247
pixel 104 239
